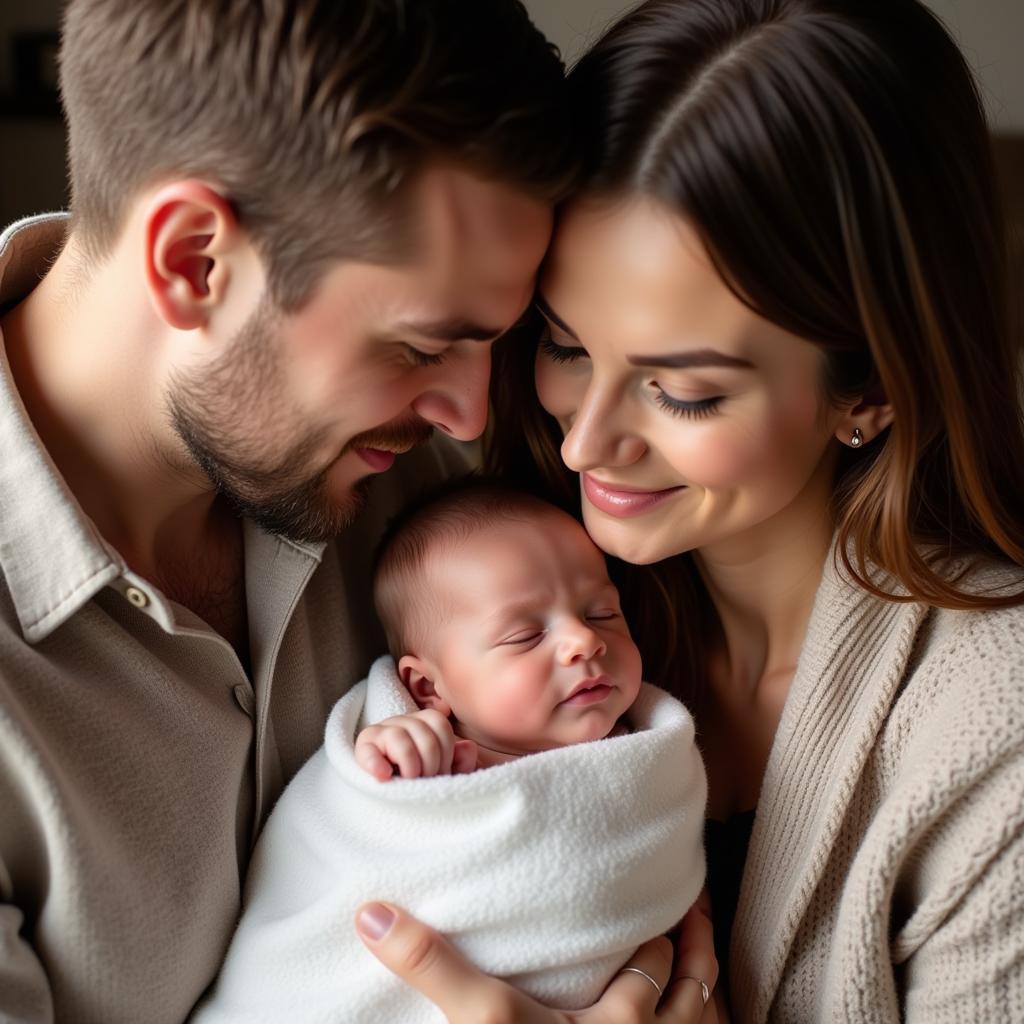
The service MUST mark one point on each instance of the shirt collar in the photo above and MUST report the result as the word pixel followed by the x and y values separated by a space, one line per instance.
pixel 52 556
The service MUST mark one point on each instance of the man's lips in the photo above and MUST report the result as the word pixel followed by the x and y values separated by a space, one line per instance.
pixel 623 501
pixel 589 691
pixel 378 448
pixel 378 459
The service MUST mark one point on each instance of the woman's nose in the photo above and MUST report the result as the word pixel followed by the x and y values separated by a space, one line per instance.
pixel 600 434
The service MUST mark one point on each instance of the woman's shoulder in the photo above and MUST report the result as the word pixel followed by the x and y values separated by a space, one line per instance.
pixel 998 630
pixel 964 679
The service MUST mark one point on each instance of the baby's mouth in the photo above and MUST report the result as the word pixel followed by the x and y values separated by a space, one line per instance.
pixel 589 691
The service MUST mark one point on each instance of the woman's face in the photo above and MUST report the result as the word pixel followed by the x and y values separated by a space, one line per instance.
pixel 693 422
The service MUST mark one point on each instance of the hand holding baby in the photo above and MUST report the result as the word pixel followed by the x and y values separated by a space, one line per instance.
pixel 414 746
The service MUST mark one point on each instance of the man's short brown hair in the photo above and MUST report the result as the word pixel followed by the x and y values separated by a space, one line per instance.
pixel 310 115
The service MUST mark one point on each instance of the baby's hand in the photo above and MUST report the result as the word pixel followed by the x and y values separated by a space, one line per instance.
pixel 416 746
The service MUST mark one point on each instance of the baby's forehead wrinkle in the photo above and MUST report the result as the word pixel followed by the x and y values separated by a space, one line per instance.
pixel 584 586
pixel 519 603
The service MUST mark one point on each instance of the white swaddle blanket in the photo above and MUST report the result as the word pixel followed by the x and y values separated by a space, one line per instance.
pixel 547 871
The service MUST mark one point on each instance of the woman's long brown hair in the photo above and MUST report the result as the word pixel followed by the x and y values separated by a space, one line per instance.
pixel 834 157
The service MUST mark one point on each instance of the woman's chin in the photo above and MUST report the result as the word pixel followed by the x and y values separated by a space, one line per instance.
pixel 627 539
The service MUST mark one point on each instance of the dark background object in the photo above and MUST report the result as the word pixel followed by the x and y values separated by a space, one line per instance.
pixel 31 132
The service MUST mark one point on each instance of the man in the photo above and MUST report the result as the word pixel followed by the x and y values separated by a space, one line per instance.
pixel 296 227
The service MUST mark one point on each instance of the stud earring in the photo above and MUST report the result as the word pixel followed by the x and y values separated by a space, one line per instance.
pixel 857 439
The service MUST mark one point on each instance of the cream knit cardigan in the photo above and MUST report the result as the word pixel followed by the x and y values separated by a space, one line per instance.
pixel 885 878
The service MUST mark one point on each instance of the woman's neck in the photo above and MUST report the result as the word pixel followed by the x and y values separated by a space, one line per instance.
pixel 763 586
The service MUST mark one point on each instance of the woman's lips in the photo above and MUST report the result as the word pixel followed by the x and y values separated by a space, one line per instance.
pixel 377 459
pixel 618 501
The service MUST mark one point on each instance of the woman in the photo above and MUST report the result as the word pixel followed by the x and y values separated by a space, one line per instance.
pixel 776 352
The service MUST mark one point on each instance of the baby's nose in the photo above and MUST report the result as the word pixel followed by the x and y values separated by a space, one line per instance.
pixel 580 643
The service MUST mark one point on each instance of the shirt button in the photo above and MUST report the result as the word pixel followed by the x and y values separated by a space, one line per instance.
pixel 136 597
pixel 244 698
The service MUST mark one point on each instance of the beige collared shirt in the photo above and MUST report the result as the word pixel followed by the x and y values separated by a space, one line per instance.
pixel 137 759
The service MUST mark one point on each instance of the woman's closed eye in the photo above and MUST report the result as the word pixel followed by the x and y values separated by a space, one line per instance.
pixel 561 353
pixel 694 410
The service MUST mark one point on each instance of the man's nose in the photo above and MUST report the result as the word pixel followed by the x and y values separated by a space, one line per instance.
pixel 579 642
pixel 456 400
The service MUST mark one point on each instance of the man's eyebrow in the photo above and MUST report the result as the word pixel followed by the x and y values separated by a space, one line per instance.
pixel 686 360
pixel 453 329
pixel 541 303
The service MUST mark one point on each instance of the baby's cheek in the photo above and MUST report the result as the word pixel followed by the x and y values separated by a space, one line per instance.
pixel 515 702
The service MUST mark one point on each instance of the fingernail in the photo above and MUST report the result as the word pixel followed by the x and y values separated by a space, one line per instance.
pixel 375 921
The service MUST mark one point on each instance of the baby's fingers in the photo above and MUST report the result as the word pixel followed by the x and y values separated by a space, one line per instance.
pixel 395 743
pixel 433 744
pixel 464 757
pixel 371 760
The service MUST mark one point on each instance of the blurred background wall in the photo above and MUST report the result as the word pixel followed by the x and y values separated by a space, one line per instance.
pixel 991 33
pixel 32 174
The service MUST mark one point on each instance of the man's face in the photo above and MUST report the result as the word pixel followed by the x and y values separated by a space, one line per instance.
pixel 301 410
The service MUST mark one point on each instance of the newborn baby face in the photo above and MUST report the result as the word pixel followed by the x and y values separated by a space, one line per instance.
pixel 532 651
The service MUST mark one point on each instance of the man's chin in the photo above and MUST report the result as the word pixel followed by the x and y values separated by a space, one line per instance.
pixel 306 518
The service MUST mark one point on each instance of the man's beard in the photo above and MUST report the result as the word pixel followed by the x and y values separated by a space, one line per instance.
pixel 261 482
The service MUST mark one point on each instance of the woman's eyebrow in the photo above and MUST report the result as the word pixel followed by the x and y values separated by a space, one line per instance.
pixel 540 302
pixel 686 360
pixel 672 361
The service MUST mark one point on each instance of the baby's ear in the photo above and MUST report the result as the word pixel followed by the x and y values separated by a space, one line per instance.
pixel 417 676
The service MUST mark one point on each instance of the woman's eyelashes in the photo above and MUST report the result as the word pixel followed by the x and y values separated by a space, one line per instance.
pixel 561 353
pixel 698 410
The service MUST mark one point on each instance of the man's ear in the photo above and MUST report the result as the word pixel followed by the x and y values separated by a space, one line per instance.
pixel 864 421
pixel 190 233
pixel 418 677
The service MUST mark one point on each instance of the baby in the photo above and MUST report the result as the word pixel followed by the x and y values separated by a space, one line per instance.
pixel 547 870
pixel 506 630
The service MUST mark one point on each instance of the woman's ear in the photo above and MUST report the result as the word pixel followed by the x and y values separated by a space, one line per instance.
pixel 418 678
pixel 191 232
pixel 864 421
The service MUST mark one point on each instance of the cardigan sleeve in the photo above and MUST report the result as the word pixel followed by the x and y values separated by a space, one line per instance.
pixel 971 969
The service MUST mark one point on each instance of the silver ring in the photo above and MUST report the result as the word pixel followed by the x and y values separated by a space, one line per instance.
pixel 643 974
pixel 704 993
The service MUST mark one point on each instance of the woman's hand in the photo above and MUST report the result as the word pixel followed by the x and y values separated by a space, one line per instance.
pixel 695 962
pixel 430 964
